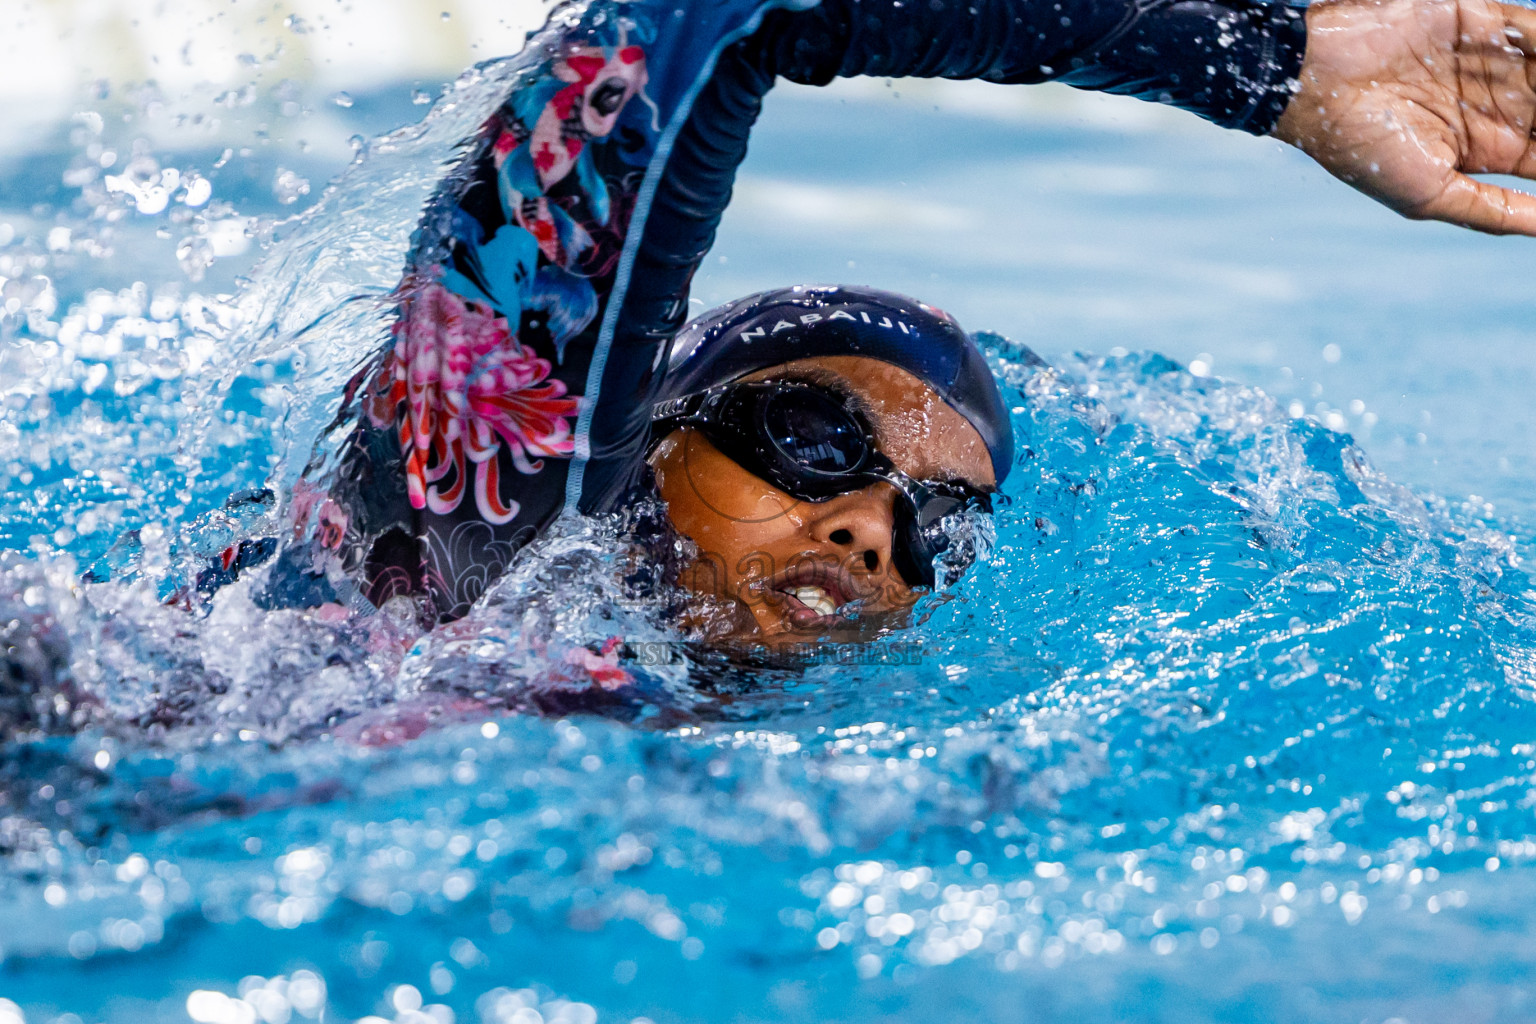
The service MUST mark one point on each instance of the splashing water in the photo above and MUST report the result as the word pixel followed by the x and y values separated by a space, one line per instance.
pixel 1227 726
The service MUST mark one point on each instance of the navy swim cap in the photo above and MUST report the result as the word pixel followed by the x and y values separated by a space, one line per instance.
pixel 776 327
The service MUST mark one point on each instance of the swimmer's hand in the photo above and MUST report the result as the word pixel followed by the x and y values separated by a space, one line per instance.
pixel 1404 98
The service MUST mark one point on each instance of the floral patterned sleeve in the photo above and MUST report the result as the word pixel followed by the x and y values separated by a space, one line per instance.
pixel 468 426
pixel 552 267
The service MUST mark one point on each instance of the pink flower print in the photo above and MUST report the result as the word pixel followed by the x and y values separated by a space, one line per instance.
pixel 330 521
pixel 305 497
pixel 602 666
pixel 468 389
pixel 331 529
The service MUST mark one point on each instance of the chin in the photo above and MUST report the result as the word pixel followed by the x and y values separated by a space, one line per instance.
pixel 800 629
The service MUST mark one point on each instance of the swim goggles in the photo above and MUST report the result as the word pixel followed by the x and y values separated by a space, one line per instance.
pixel 805 441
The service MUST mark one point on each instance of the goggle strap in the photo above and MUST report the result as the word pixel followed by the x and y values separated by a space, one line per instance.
pixel 685 407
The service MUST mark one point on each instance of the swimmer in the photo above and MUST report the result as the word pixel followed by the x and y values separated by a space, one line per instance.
pixel 814 445
pixel 539 365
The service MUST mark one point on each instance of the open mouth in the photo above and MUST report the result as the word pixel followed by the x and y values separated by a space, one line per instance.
pixel 817 595
pixel 816 599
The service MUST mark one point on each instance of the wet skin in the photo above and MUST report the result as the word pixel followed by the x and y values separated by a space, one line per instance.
pixel 775 569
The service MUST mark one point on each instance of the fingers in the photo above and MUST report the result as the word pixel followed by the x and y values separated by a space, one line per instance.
pixel 1520 28
pixel 1482 207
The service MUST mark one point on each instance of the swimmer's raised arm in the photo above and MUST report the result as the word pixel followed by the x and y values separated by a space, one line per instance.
pixel 1404 99
pixel 552 268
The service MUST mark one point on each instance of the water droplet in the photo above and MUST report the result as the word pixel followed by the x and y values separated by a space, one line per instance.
pixel 289 187
pixel 406 998
pixel 197 190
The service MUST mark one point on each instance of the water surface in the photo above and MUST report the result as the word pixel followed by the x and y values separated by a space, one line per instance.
pixel 1236 723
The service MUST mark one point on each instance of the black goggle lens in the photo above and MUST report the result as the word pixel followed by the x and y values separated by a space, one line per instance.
pixel 814 433
pixel 816 448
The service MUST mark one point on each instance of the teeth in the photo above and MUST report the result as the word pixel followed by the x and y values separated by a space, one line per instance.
pixel 816 599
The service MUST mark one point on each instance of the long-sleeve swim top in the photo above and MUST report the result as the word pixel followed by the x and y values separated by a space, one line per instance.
pixel 551 269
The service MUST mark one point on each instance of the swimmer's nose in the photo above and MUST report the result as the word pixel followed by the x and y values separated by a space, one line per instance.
pixel 858 525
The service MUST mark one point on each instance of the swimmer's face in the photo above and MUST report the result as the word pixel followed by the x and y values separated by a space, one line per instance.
pixel 771 567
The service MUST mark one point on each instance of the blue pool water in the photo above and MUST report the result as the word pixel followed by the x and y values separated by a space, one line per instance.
pixel 1237 723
